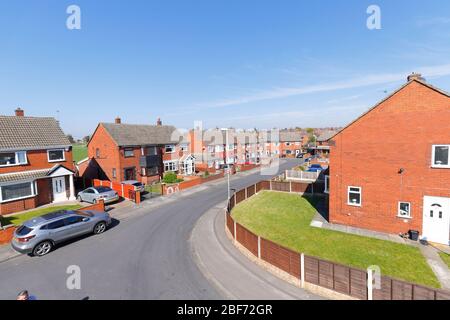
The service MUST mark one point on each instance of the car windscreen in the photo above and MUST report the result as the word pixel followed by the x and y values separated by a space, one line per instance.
pixel 23 230
pixel 103 189
pixel 137 184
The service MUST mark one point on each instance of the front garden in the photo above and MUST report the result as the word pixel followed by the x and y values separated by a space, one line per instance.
pixel 285 219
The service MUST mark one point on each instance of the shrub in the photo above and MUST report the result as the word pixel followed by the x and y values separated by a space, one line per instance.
pixel 171 177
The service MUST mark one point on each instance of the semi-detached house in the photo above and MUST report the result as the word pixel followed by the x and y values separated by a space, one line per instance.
pixel 390 168
pixel 139 152
pixel 36 166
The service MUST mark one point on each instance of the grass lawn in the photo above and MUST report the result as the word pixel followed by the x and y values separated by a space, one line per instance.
pixel 154 188
pixel 20 218
pixel 446 258
pixel 79 151
pixel 285 219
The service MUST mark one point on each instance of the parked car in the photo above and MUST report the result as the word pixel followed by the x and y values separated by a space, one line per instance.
pixel 315 168
pixel 300 156
pixel 40 235
pixel 137 185
pixel 93 194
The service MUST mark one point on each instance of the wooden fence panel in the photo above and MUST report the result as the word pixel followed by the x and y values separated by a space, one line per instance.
pixel 358 284
pixel 326 275
pixel 240 196
pixel 230 224
pixel 264 185
pixel 248 239
pixel 231 203
pixel 250 191
pixel 311 270
pixel 422 293
pixel 342 279
pixel 401 290
pixel 280 257
pixel 442 295
pixel 280 186
pixel 299 187
pixel 259 186
pixel 384 293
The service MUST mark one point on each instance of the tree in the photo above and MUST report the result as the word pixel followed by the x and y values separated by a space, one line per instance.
pixel 86 139
pixel 71 139
pixel 310 131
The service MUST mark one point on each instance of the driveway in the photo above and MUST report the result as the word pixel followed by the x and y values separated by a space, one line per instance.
pixel 146 256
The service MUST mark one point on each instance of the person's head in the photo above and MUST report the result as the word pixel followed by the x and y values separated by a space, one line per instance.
pixel 23 295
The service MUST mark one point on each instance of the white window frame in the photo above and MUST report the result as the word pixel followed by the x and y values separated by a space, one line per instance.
pixel 327 184
pixel 433 156
pixel 34 192
pixel 171 146
pixel 16 155
pixel 360 196
pixel 184 147
pixel 170 166
pixel 409 216
pixel 58 160
pixel 125 152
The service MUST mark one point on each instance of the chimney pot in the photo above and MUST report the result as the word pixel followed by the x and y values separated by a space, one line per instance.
pixel 19 112
pixel 415 76
pixel 159 122
pixel 118 120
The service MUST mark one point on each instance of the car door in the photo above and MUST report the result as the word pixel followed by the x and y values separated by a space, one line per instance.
pixel 76 226
pixel 89 195
pixel 58 230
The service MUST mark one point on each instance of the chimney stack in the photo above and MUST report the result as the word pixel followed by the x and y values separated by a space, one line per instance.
pixel 415 76
pixel 118 120
pixel 159 122
pixel 19 112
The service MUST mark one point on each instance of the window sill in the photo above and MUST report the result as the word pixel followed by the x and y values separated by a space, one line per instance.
pixel 13 165
pixel 17 199
pixel 440 167
pixel 404 217
pixel 354 205
pixel 53 161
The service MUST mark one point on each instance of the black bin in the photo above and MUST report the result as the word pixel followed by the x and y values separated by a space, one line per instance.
pixel 414 235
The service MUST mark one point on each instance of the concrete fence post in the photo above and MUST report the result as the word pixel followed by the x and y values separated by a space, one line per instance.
pixel 123 194
pixel 259 247
pixel 255 187
pixel 369 284
pixel 302 270
pixel 290 186
pixel 111 185
pixel 246 195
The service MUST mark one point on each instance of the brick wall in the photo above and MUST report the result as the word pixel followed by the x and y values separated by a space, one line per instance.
pixel 38 159
pixel 18 205
pixel 399 133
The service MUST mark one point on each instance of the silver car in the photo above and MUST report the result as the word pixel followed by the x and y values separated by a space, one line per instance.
pixel 39 235
pixel 93 194
pixel 138 186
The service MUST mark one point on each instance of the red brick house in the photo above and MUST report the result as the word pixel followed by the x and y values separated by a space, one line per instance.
pixel 138 152
pixel 36 166
pixel 291 143
pixel 390 168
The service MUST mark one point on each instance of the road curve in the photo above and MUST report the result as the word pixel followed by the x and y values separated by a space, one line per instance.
pixel 145 256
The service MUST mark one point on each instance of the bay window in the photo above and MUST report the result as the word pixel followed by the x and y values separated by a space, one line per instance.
pixel 17 191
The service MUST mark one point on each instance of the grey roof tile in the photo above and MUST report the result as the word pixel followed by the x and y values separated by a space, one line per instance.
pixel 28 133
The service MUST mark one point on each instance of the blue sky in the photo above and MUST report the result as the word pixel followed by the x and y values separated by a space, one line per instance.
pixel 225 62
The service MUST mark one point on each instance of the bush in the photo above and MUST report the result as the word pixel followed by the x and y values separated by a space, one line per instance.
pixel 171 177
pixel 206 174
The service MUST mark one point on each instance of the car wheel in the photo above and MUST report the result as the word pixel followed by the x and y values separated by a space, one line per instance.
pixel 100 228
pixel 42 248
pixel 79 199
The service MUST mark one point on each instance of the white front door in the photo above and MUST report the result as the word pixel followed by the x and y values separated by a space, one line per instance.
pixel 436 219
pixel 59 189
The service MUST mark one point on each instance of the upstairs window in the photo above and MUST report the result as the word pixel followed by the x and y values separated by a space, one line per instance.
pixel 56 155
pixel 152 151
pixel 184 147
pixel 354 196
pixel 440 156
pixel 128 153
pixel 170 148
pixel 13 158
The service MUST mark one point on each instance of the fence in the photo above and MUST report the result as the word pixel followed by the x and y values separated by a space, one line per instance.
pixel 192 182
pixel 339 278
pixel 301 175
pixel 123 190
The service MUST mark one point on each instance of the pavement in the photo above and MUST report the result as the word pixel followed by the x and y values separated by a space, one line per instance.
pixel 145 255
pixel 438 266
pixel 233 274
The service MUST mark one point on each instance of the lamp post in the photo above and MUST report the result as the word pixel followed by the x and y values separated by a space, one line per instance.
pixel 226 162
